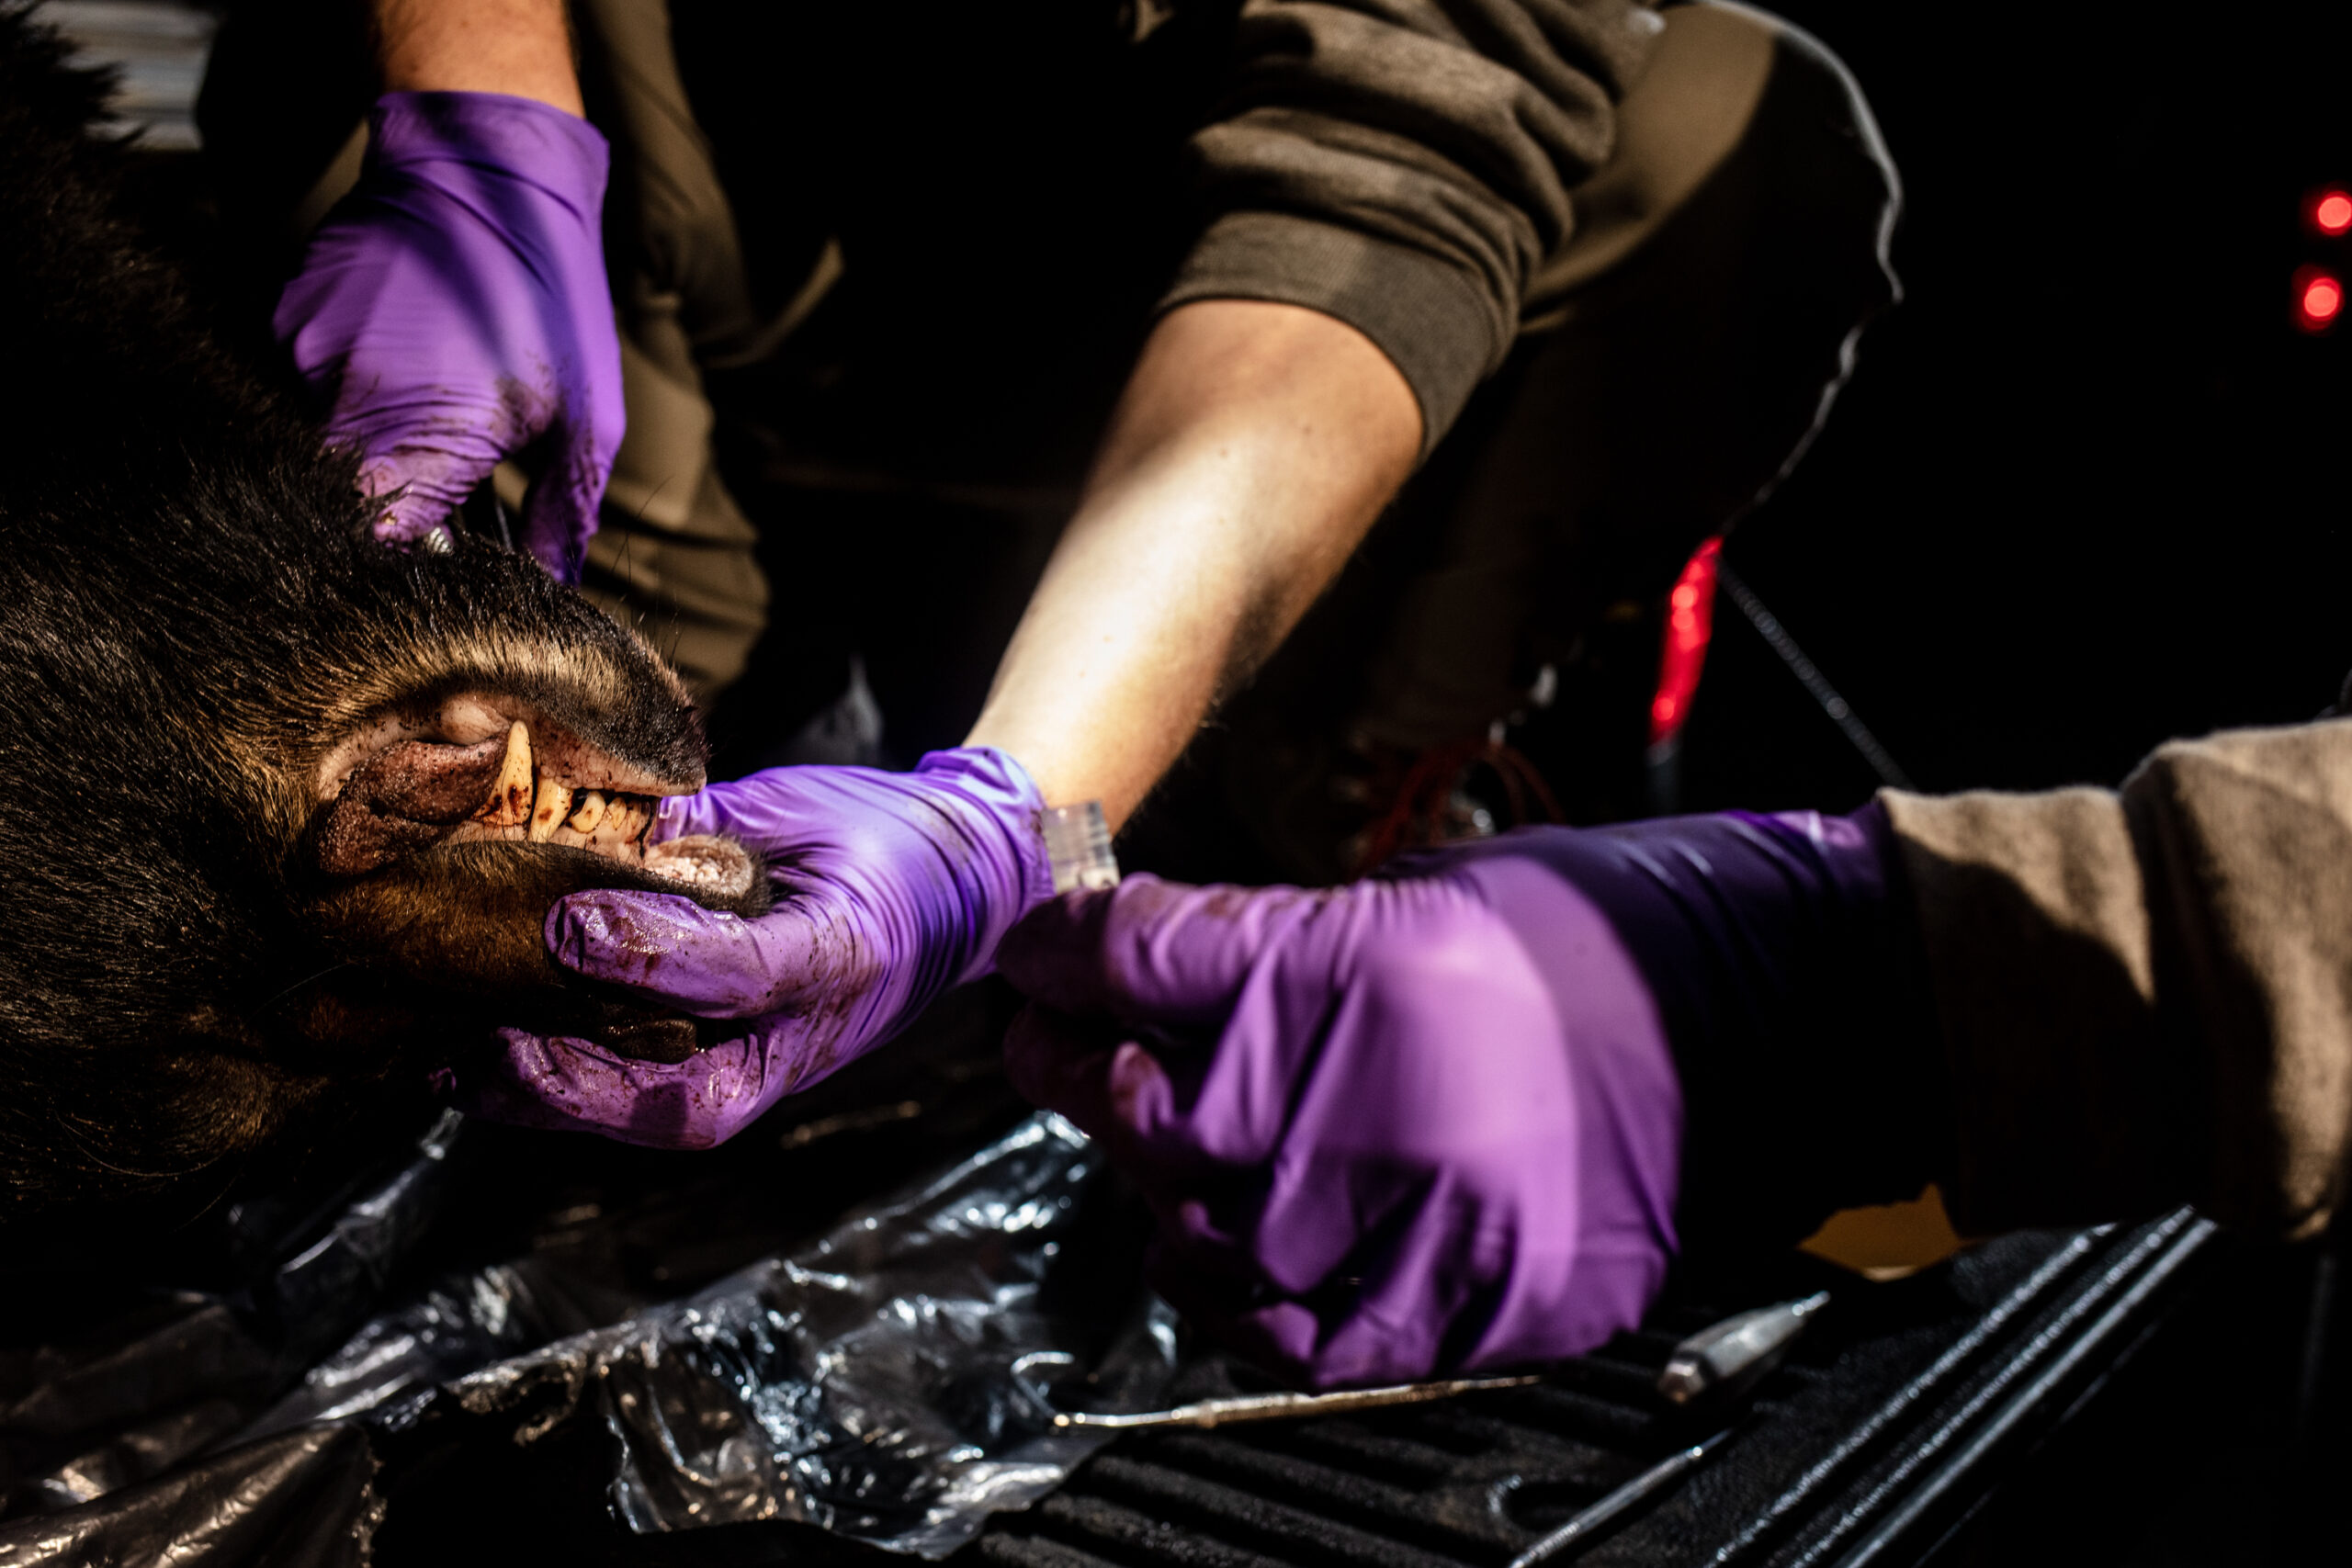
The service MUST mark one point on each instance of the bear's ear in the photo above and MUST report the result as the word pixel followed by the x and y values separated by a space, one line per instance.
pixel 150 1139
pixel 126 1133
pixel 218 1092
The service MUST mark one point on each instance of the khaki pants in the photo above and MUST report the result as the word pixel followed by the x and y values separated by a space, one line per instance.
pixel 1676 355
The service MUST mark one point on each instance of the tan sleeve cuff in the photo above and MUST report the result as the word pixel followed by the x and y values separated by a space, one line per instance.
pixel 2034 919
pixel 2146 997
pixel 2248 837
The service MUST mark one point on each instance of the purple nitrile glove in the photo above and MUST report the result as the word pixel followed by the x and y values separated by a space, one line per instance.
pixel 890 888
pixel 1434 1122
pixel 453 308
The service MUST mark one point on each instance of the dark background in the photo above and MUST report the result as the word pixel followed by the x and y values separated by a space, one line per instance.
pixel 2086 491
pixel 2088 488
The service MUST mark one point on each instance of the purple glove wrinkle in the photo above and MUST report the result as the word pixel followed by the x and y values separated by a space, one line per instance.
pixel 1401 1155
pixel 891 889
pixel 454 310
pixel 1444 1120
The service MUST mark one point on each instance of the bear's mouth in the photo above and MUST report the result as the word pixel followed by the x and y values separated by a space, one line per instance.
pixel 528 800
pixel 482 769
pixel 444 832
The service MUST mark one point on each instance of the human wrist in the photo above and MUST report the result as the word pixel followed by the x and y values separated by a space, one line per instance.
pixel 520 48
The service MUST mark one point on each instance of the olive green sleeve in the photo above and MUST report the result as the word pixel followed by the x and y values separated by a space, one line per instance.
pixel 1405 166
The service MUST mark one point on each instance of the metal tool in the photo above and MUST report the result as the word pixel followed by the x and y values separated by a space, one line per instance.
pixel 1281 1406
pixel 1589 1522
pixel 1734 1355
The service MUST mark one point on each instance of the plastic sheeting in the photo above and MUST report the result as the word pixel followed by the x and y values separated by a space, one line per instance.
pixel 121 1443
pixel 303 1499
pixel 894 1382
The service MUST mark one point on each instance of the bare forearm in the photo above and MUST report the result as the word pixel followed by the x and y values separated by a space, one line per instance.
pixel 518 47
pixel 1254 445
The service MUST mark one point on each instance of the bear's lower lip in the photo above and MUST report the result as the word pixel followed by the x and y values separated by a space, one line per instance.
pixel 700 863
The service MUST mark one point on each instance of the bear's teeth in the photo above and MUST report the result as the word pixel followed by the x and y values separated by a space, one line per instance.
pixel 625 818
pixel 588 813
pixel 509 805
pixel 550 807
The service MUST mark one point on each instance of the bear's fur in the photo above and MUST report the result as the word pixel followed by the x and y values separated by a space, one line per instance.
pixel 193 615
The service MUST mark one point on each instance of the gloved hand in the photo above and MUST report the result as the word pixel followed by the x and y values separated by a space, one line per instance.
pixel 454 309
pixel 891 888
pixel 1433 1122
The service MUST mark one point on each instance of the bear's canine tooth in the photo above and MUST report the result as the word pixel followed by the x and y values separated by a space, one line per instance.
pixel 553 802
pixel 587 813
pixel 509 805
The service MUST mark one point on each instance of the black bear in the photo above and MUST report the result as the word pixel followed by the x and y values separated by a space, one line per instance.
pixel 281 809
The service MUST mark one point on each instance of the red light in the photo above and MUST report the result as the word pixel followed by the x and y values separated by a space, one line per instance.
pixel 2332 211
pixel 2319 300
pixel 1689 625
